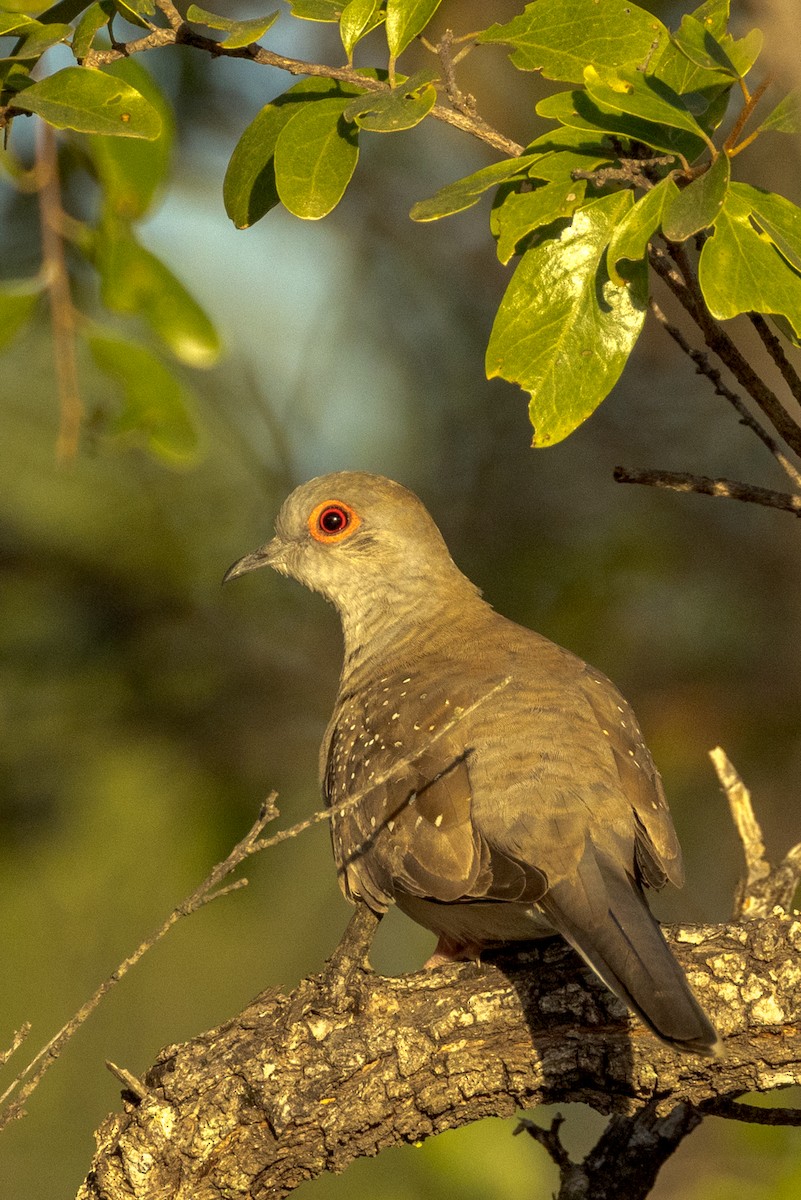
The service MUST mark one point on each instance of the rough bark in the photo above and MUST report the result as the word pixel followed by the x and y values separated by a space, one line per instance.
pixel 350 1063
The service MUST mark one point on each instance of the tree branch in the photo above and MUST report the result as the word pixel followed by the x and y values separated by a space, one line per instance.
pixel 682 481
pixel 180 33
pixel 300 1084
pixel 685 287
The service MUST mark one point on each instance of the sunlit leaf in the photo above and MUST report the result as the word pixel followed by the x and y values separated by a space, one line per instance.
pixel 315 157
pixel 137 282
pixel 359 18
pixel 741 270
pixel 629 91
pixel 578 110
pixel 523 212
pixel 562 37
pixel 778 217
pixel 714 16
pixel 786 116
pixel 464 193
pixel 317 10
pixel 696 206
pixel 36 38
pixel 632 235
pixel 17 301
pixel 240 33
pixel 564 331
pixel 136 11
pixel 405 19
pixel 157 404
pixel 401 108
pixel 92 102
pixel 15 24
pixel 96 16
pixel 249 190
pixel 133 171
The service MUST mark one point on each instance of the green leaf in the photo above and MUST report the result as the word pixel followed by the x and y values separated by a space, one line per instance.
pixel 132 171
pixel 740 269
pixel 696 206
pixel 714 16
pixel 315 157
pixel 777 217
pixel 564 330
pixel 15 24
pixel 136 11
pixel 405 19
pixel 359 18
pixel 17 301
pixel 135 281
pixel 578 110
pixel 157 405
pixel 92 102
pixel 632 235
pixel 249 190
pixel 96 16
pixel 401 108
pixel 562 37
pixel 464 193
pixel 629 91
pixel 240 33
pixel 786 116
pixel 317 10
pixel 700 46
pixel 37 38
pixel 521 213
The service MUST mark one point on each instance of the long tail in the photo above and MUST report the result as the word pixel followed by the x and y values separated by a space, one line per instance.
pixel 604 916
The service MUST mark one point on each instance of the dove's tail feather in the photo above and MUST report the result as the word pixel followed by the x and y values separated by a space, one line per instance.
pixel 604 916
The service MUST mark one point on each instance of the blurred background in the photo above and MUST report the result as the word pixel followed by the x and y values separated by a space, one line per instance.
pixel 146 713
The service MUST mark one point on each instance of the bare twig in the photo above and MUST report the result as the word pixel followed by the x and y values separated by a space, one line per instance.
pixel 735 1110
pixel 56 276
pixel 776 352
pixel 206 892
pixel 682 481
pixel 182 33
pixel 704 367
pixel 17 1040
pixel 209 890
pixel 765 888
pixel 757 867
pixel 688 291
pixel 128 1081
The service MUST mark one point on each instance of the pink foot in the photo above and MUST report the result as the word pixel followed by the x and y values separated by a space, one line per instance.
pixel 448 951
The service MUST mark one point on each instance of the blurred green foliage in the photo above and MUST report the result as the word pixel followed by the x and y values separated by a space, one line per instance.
pixel 146 712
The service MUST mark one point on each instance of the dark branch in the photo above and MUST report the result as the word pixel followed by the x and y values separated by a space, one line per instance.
pixel 681 481
pixel 684 285
pixel 300 1084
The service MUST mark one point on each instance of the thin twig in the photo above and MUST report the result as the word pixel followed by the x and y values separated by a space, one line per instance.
pixel 765 888
pixel 757 867
pixel 17 1040
pixel 688 291
pixel 128 1081
pixel 682 481
pixel 776 352
pixel 201 895
pixel 253 843
pixel 704 367
pixel 183 34
pixel 735 1110
pixel 62 311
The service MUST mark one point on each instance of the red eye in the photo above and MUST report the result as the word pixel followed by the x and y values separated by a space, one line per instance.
pixel 332 521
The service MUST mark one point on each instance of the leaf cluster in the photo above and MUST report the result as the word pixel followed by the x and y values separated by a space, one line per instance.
pixel 640 154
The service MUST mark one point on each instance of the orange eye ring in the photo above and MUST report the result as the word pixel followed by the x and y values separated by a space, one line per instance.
pixel 333 521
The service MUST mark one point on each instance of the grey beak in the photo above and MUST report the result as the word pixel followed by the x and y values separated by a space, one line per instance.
pixel 263 557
